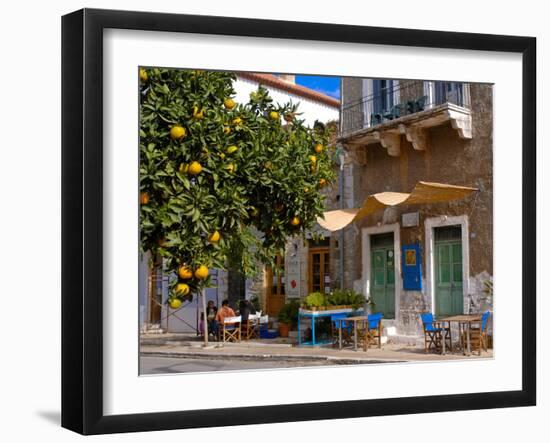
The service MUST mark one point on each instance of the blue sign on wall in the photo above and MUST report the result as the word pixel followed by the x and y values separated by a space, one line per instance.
pixel 412 267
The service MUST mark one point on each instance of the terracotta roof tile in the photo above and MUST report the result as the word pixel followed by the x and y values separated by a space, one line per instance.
pixel 277 83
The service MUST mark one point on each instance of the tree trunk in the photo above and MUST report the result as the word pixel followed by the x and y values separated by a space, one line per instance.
pixel 154 294
pixel 235 287
pixel 205 320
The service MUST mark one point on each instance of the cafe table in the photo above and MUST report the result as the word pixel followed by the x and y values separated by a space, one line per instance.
pixel 359 320
pixel 306 314
pixel 464 321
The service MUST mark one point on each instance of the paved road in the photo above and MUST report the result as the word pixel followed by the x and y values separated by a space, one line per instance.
pixel 169 365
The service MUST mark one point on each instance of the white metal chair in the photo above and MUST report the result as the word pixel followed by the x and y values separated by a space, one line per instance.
pixel 250 328
pixel 231 329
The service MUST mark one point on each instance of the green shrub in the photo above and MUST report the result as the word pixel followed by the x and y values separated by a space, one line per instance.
pixel 338 297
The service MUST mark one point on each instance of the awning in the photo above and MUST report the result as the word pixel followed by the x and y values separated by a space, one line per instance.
pixel 423 192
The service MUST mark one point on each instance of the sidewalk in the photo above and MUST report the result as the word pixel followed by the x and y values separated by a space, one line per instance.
pixel 189 346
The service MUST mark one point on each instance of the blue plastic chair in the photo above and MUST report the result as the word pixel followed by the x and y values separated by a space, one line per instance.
pixel 434 332
pixel 479 336
pixel 485 321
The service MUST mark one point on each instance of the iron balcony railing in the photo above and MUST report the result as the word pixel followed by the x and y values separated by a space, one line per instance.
pixel 394 99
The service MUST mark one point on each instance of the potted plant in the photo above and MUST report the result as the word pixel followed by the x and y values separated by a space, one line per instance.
pixel 288 317
pixel 345 299
pixel 315 301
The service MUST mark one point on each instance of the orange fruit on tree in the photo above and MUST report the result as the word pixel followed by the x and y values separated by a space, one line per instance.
pixel 226 130
pixel 185 272
pixel 143 75
pixel 177 132
pixel 229 103
pixel 175 303
pixel 313 159
pixel 195 168
pixel 144 198
pixel 322 182
pixel 237 121
pixel 274 115
pixel 318 148
pixel 201 272
pixel 231 149
pixel 295 221
pixel 214 237
pixel 182 289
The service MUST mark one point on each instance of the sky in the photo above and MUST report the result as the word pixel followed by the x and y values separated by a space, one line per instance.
pixel 326 85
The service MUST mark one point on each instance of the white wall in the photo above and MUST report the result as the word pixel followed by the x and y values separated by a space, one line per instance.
pixel 310 109
pixel 30 222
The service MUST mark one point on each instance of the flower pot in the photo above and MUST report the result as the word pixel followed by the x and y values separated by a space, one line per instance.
pixel 283 329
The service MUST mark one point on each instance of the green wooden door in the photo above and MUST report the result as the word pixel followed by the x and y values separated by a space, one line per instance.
pixel 449 297
pixel 382 282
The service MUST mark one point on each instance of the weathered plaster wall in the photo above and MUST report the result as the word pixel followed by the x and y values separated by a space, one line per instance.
pixel 447 159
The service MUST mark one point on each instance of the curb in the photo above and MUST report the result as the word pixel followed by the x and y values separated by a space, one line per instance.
pixel 276 357
pixel 195 344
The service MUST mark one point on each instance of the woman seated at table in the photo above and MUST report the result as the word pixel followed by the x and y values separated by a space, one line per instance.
pixel 211 311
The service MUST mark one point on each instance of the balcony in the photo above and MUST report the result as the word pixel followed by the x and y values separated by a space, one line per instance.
pixel 407 108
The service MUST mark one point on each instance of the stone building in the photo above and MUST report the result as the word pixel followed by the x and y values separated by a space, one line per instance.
pixel 396 133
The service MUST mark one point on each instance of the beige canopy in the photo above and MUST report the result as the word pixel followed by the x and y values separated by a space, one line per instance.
pixel 423 192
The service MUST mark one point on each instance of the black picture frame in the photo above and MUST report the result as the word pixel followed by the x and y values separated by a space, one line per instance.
pixel 82 231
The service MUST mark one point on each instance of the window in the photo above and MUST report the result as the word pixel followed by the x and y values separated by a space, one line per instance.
pixel 380 100
pixel 278 277
pixel 449 92
pixel 382 91
pixel 319 270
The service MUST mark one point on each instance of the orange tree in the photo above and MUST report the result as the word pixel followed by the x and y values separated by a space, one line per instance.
pixel 220 180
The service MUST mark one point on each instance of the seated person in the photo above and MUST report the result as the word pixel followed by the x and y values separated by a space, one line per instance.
pixel 245 309
pixel 211 311
pixel 224 311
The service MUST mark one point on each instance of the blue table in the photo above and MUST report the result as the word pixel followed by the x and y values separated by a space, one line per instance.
pixel 313 315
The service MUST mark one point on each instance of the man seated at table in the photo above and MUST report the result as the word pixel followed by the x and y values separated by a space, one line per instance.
pixel 245 309
pixel 224 311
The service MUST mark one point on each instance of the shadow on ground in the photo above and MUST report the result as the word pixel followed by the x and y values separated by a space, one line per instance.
pixel 54 417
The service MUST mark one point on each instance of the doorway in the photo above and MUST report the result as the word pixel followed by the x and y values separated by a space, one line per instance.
pixel 449 293
pixel 275 280
pixel 382 281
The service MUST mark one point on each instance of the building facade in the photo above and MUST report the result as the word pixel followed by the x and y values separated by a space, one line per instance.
pixel 302 263
pixel 417 258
